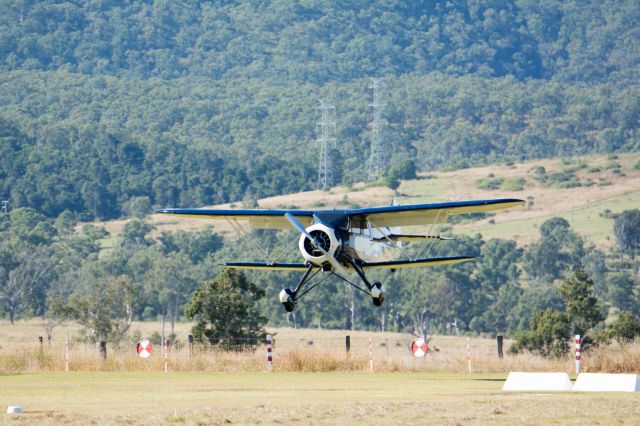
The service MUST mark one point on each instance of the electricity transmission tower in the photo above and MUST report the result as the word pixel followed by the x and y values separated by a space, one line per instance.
pixel 325 127
pixel 375 165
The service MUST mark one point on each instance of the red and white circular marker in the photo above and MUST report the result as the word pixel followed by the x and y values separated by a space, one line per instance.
pixel 419 347
pixel 144 348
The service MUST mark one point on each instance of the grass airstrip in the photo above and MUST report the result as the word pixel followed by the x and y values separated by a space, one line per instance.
pixel 299 398
pixel 310 383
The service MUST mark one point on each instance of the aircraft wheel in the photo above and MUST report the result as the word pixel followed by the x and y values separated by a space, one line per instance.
pixel 286 297
pixel 289 306
pixel 377 294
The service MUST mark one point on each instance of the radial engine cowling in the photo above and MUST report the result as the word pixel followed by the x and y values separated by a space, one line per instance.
pixel 324 239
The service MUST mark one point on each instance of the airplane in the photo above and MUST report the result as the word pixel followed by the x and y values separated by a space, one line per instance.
pixel 338 241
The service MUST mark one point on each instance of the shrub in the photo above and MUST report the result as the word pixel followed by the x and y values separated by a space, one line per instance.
pixel 514 184
pixel 539 170
pixel 489 183
pixel 564 179
pixel 612 165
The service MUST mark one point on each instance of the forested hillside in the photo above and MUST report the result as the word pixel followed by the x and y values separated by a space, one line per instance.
pixel 105 103
pixel 110 108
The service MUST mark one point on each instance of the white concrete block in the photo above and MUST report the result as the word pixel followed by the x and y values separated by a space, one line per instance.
pixel 601 382
pixel 517 381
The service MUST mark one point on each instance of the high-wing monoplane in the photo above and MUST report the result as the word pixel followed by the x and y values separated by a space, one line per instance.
pixel 341 240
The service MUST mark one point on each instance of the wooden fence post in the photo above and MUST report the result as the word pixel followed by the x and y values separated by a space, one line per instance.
pixel 103 350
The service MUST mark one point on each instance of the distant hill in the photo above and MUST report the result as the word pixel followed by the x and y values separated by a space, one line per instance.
pixel 587 191
pixel 109 104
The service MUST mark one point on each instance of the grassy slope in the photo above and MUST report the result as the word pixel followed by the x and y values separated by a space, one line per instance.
pixel 581 206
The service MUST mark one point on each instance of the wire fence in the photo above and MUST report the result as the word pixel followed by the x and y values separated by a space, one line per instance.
pixel 346 352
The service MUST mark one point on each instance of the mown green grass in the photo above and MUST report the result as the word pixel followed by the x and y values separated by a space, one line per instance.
pixel 299 398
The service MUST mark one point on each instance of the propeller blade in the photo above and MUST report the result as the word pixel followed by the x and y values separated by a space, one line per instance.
pixel 300 227
pixel 297 224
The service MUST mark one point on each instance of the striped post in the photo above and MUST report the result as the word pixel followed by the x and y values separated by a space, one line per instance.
pixel 469 355
pixel 166 355
pixel 269 353
pixel 370 355
pixel 66 355
pixel 578 343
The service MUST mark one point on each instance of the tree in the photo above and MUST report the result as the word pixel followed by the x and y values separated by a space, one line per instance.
pixel 533 299
pixel 498 288
pixel 626 228
pixel 104 309
pixel 558 250
pixel 405 169
pixel 624 329
pixel 624 292
pixel 173 281
pixel 138 207
pixel 135 233
pixel 225 312
pixel 548 336
pixel 582 307
pixel 22 279
pixel 195 245
pixel 550 328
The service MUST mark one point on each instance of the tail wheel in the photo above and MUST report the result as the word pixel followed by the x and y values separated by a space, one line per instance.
pixel 377 294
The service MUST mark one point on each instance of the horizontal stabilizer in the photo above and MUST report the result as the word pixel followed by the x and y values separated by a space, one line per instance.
pixel 267 266
pixel 411 238
pixel 434 261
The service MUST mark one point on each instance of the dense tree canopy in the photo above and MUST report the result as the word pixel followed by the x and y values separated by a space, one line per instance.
pixel 106 103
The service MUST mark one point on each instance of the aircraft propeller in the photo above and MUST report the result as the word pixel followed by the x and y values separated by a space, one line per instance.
pixel 318 245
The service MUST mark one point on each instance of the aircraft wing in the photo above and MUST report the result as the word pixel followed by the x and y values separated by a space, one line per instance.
pixel 417 214
pixel 422 214
pixel 434 261
pixel 267 266
pixel 394 264
pixel 257 218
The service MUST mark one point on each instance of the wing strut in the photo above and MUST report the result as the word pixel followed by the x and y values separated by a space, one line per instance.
pixel 266 252
pixel 426 241
pixel 386 237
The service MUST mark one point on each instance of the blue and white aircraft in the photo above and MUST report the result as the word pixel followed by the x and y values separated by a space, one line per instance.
pixel 341 240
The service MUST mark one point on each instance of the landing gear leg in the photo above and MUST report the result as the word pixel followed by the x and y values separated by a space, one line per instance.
pixel 376 290
pixel 289 296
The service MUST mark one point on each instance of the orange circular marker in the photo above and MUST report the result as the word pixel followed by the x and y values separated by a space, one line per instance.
pixel 419 347
pixel 144 348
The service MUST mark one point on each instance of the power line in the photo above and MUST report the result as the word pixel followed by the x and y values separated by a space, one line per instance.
pixel 375 165
pixel 325 126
